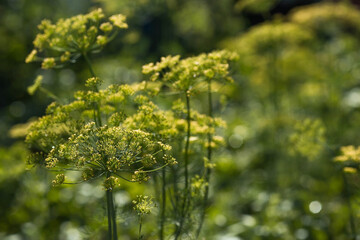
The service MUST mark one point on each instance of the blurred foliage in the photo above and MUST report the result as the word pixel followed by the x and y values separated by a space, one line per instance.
pixel 256 6
pixel 294 103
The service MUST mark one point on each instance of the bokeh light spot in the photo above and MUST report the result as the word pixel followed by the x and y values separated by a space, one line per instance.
pixel 315 207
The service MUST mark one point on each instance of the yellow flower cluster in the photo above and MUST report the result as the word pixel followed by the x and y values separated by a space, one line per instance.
pixel 70 38
pixel 190 73
pixel 197 185
pixel 350 157
pixel 349 153
pixel 143 204
pixel 308 138
pixel 131 144
pixel 111 183
pixel 269 38
pixel 59 179
pixel 328 18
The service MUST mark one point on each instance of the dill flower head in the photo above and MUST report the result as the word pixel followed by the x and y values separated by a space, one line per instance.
pixel 59 179
pixel 349 158
pixel 308 139
pixel 269 38
pixel 119 21
pixel 67 39
pixel 187 74
pixel 349 153
pixel 69 137
pixel 197 185
pixel 328 19
pixel 48 63
pixel 143 204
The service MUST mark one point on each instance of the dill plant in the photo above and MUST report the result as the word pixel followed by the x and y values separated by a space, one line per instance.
pixel 143 206
pixel 188 77
pixel 71 138
pixel 119 134
pixel 276 61
pixel 349 159
pixel 93 133
pixel 70 38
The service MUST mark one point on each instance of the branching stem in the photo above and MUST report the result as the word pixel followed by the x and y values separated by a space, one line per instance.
pixel 348 201
pixel 163 204
pixel 111 211
pixel 108 204
pixel 186 162
pixel 140 227
pixel 207 168
pixel 89 65
pixel 97 116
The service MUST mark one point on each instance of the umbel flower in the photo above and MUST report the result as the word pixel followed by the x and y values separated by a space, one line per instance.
pixel 143 204
pixel 187 77
pixel 328 18
pixel 308 138
pixel 115 133
pixel 268 39
pixel 68 138
pixel 69 38
pixel 190 73
pixel 349 158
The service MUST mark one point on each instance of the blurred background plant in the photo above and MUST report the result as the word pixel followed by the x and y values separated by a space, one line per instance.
pixel 293 104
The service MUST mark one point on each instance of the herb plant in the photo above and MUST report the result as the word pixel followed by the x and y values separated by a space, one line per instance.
pixel 119 133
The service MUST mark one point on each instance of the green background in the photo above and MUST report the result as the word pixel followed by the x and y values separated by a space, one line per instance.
pixel 295 101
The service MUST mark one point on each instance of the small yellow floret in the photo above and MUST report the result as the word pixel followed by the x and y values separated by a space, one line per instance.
pixel 106 27
pixel 65 57
pixel 31 57
pixel 101 40
pixel 350 170
pixel 119 21
pixel 48 63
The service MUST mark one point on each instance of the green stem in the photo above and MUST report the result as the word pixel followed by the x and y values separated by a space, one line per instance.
pixel 108 199
pixel 112 232
pixel 140 226
pixel 163 205
pixel 186 162
pixel 156 169
pixel 113 210
pixel 89 64
pixel 208 168
pixel 50 94
pixel 97 115
pixel 347 197
pixel 175 186
pixel 187 145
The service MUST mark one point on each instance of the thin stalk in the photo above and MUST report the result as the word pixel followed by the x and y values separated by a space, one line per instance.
pixel 347 197
pixel 163 205
pixel 175 183
pixel 207 168
pixel 187 144
pixel 50 94
pixel 156 169
pixel 89 64
pixel 113 211
pixel 175 186
pixel 158 196
pixel 97 116
pixel 140 226
pixel 186 162
pixel 108 204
